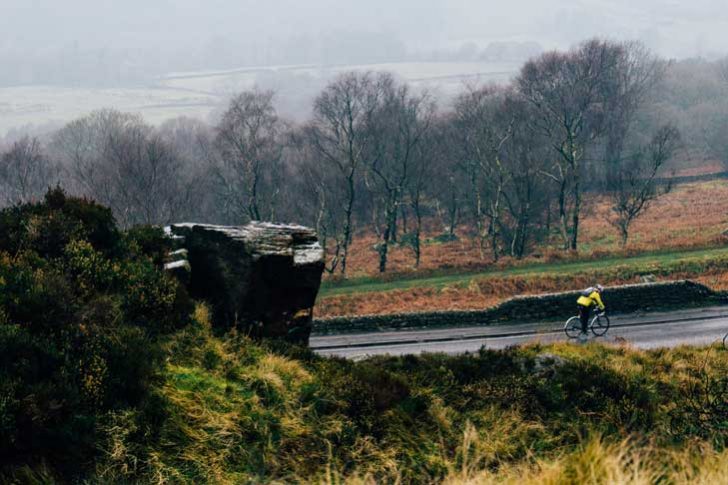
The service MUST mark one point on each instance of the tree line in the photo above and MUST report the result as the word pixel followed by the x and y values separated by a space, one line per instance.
pixel 508 164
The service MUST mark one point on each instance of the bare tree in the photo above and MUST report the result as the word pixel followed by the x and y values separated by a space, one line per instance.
pixel 397 127
pixel 82 147
pixel 627 87
pixel 25 172
pixel 526 192
pixel 340 137
pixel 636 185
pixel 120 161
pixel 449 187
pixel 146 175
pixel 248 140
pixel 420 184
pixel 320 197
pixel 567 92
pixel 192 141
pixel 481 129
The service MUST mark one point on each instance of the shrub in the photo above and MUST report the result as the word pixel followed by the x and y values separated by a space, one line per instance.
pixel 47 227
pixel 149 241
pixel 83 309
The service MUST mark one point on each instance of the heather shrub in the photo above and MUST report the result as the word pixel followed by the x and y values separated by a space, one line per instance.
pixel 83 311
pixel 149 241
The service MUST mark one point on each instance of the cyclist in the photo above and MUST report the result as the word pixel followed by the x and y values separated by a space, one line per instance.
pixel 590 298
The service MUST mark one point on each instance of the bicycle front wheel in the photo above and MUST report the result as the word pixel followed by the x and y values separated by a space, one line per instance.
pixel 600 325
pixel 573 327
pixel 725 341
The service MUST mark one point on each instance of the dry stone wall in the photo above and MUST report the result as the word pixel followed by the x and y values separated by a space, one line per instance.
pixel 622 299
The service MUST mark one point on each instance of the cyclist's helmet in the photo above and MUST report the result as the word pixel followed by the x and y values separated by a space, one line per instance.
pixel 599 288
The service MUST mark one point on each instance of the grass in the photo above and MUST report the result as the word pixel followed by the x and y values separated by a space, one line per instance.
pixel 233 411
pixel 657 259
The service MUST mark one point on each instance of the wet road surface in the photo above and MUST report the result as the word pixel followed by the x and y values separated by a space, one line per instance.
pixel 648 330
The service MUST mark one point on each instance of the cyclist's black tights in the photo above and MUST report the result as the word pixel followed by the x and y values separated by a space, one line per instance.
pixel 584 312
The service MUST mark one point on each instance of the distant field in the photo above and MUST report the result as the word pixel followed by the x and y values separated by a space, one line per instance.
pixel 439 74
pixel 198 94
pixel 43 105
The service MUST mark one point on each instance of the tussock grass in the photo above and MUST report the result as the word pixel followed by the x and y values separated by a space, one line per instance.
pixel 597 461
pixel 560 414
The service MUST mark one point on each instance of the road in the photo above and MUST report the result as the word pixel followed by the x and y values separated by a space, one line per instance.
pixel 648 330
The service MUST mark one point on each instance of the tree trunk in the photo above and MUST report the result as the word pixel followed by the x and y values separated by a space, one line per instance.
pixel 390 223
pixel 404 218
pixel 348 222
pixel 577 210
pixel 482 235
pixel 453 218
pixel 494 221
pixel 418 231
pixel 548 218
pixel 383 250
pixel 518 247
pixel 624 232
pixel 562 214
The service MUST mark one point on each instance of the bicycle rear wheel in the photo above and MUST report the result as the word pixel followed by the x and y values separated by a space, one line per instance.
pixel 600 325
pixel 573 327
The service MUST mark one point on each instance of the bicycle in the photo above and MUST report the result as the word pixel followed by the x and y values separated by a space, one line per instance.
pixel 598 325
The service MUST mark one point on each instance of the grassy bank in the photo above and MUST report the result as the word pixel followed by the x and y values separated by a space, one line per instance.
pixel 481 290
pixel 230 411
pixel 653 261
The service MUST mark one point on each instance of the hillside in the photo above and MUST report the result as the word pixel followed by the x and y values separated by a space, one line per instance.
pixel 110 374
pixel 239 412
pixel 680 236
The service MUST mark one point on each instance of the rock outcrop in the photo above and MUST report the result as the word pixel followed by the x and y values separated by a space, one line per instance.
pixel 261 278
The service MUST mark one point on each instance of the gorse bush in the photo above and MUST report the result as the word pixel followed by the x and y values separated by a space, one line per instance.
pixel 82 308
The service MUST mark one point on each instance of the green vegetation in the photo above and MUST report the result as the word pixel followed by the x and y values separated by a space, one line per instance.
pixel 239 412
pixel 659 263
pixel 108 374
pixel 82 312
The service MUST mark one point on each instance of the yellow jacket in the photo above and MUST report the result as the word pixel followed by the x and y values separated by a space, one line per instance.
pixel 594 298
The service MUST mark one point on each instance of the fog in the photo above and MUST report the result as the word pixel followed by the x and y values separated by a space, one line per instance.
pixel 183 31
pixel 103 45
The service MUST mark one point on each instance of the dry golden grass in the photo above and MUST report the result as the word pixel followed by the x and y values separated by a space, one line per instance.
pixel 693 215
pixel 259 415
pixel 596 462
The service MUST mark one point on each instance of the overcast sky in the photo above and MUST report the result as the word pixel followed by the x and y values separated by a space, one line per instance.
pixel 675 28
